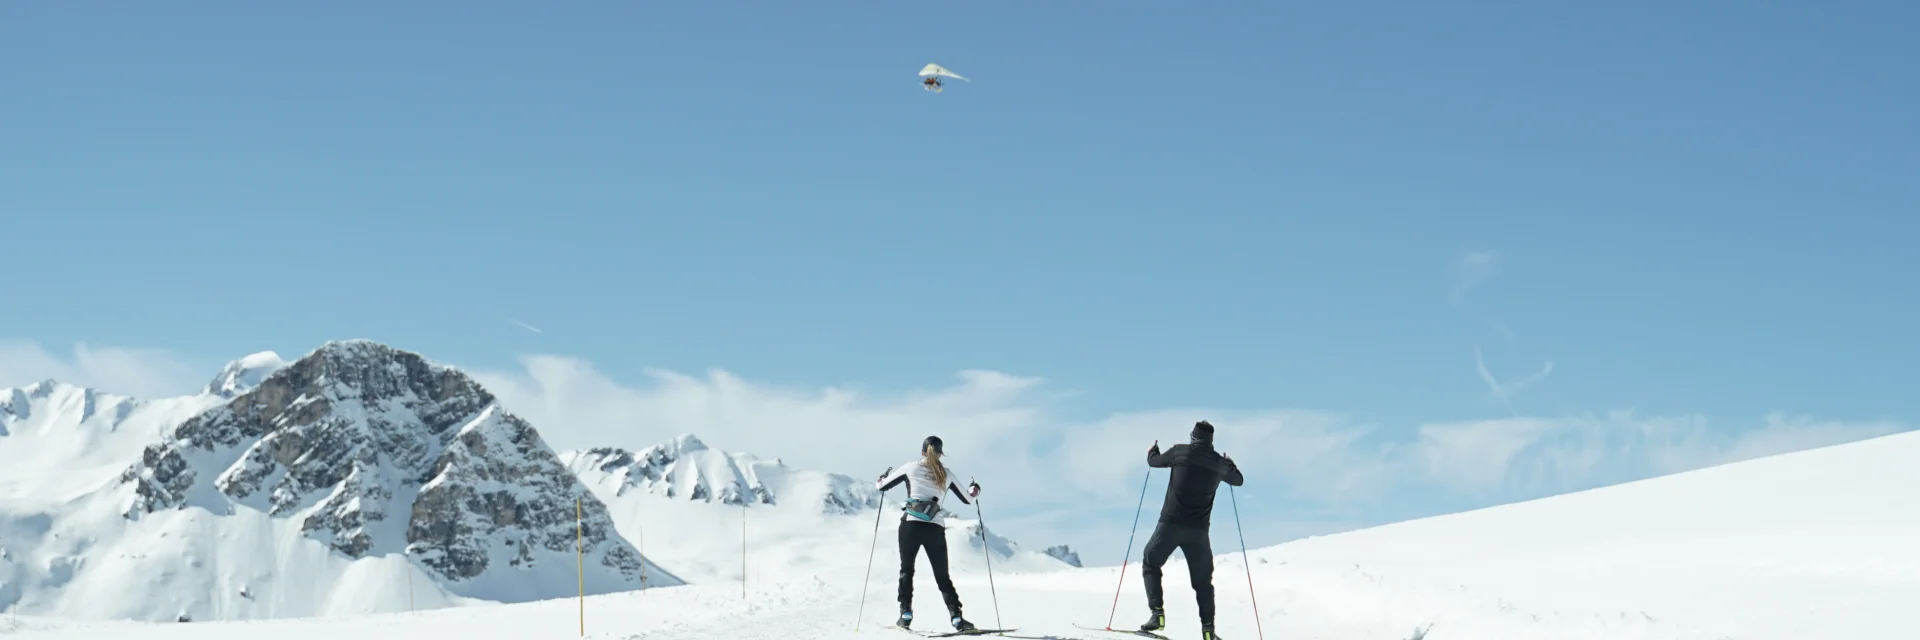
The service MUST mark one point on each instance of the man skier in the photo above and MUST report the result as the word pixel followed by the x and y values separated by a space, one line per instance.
pixel 1184 520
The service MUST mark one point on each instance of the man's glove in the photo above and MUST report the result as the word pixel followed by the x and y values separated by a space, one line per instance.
pixel 1155 450
pixel 884 474
pixel 973 489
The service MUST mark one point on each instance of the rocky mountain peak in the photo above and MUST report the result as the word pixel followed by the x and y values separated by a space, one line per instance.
pixel 1064 554
pixel 376 450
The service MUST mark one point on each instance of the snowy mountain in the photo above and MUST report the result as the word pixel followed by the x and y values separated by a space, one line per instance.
pixel 358 478
pixel 709 514
pixel 1814 544
pixel 688 469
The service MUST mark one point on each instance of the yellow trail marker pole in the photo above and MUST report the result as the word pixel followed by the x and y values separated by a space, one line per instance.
pixel 580 555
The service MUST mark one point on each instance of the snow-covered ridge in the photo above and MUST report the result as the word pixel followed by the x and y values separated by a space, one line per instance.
pixel 687 469
pixel 59 441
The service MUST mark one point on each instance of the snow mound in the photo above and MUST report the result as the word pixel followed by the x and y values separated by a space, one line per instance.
pixel 241 376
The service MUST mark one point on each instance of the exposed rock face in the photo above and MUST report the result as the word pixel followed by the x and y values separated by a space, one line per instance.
pixel 377 450
pixel 1064 554
pixel 686 468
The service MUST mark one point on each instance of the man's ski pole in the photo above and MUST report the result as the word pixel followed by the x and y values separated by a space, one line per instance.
pixel 1129 556
pixel 989 551
pixel 878 510
pixel 1243 561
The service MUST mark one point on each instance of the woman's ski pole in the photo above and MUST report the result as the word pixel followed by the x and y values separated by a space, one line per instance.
pixel 878 510
pixel 989 551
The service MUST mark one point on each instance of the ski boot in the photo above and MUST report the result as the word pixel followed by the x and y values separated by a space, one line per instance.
pixel 960 625
pixel 906 619
pixel 1157 622
pixel 1206 632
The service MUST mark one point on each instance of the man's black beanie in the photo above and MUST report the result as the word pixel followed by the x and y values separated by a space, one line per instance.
pixel 1202 431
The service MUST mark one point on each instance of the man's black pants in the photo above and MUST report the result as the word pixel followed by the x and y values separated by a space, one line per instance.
pixel 1193 542
pixel 914 535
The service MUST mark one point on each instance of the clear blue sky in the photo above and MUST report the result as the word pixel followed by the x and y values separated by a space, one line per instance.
pixel 1697 207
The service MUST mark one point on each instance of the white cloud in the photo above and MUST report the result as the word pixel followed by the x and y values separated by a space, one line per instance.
pixel 140 373
pixel 987 419
pixel 1006 431
pixel 997 427
pixel 1306 455
pixel 1475 456
pixel 1525 457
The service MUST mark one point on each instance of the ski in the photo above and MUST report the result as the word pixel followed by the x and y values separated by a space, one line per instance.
pixel 971 632
pixel 950 634
pixel 1137 632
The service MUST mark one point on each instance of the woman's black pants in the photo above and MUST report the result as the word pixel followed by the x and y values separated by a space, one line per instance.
pixel 914 535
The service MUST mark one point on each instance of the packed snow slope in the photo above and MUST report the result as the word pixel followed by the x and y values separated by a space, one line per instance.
pixel 715 516
pixel 359 478
pixel 1810 545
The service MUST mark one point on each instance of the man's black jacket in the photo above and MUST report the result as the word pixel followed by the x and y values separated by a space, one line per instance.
pixel 1197 473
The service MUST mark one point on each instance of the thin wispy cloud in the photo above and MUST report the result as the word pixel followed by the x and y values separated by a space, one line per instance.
pixel 1505 392
pixel 1470 270
pixel 1501 327
pixel 526 326
pixel 140 373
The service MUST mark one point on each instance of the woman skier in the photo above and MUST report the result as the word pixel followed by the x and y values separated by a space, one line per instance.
pixel 927 480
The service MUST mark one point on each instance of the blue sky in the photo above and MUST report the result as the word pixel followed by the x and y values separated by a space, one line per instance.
pixel 1699 213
